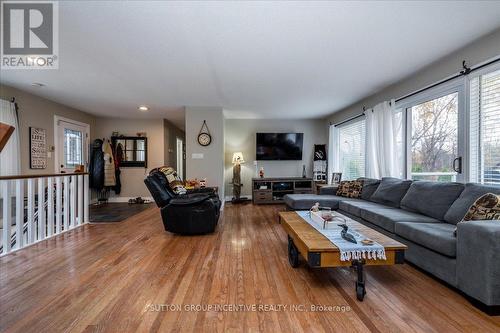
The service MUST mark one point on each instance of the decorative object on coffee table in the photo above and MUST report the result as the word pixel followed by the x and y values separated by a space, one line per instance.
pixel 237 161
pixel 346 235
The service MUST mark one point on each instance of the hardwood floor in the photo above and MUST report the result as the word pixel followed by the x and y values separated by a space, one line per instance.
pixel 115 277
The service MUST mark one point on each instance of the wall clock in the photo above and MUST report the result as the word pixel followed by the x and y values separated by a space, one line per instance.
pixel 204 137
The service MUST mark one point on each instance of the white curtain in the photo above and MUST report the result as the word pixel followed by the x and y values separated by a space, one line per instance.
pixel 10 157
pixel 383 129
pixel 333 165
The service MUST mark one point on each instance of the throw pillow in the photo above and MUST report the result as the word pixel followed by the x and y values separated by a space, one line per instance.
pixel 350 189
pixel 487 207
pixel 174 181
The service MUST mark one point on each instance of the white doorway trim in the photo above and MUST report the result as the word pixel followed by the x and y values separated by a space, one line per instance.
pixel 85 142
pixel 180 157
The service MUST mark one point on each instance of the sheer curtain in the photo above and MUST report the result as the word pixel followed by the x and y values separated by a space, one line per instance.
pixel 383 128
pixel 333 165
pixel 10 157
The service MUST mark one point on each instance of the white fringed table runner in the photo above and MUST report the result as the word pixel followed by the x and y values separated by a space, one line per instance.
pixel 348 250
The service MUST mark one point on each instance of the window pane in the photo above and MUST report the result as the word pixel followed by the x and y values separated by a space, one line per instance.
pixel 485 128
pixel 72 148
pixel 140 155
pixel 352 150
pixel 140 145
pixel 434 141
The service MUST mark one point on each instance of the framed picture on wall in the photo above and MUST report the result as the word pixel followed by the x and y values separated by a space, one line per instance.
pixel 38 148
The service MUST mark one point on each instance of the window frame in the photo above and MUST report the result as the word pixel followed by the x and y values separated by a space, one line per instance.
pixel 477 73
pixel 335 152
pixel 457 85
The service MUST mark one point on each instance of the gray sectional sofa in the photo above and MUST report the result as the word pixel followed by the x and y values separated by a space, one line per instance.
pixel 424 215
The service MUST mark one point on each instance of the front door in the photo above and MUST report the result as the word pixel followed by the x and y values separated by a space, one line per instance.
pixel 72 143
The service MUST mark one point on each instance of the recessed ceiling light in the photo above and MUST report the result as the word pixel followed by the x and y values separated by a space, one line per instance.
pixel 143 108
pixel 37 84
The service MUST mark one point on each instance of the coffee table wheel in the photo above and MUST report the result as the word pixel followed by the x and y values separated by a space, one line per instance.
pixel 360 291
pixel 293 254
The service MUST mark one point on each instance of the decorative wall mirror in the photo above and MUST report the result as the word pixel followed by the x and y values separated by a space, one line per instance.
pixel 134 150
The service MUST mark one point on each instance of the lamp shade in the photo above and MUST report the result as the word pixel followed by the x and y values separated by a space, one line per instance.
pixel 238 158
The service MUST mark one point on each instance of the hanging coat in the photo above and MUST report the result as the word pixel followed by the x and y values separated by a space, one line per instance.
pixel 109 165
pixel 118 156
pixel 96 166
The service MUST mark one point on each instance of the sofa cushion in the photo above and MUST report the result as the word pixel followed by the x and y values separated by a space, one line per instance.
pixel 354 207
pixel 386 217
pixel 470 194
pixel 328 189
pixel 431 198
pixel 390 191
pixel 306 201
pixel 434 236
pixel 370 185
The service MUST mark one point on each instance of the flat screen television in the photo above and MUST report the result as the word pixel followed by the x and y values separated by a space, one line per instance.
pixel 279 146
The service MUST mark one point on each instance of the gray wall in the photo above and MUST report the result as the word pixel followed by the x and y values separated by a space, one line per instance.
pixel 35 111
pixel 240 136
pixel 211 166
pixel 477 52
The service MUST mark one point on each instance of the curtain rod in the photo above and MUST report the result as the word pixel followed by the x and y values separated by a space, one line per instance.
pixel 465 71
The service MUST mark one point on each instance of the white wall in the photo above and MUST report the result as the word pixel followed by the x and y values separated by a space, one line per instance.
pixel 211 166
pixel 240 136
pixel 481 50
pixel 132 179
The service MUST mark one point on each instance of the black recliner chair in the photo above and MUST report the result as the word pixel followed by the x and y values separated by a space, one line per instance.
pixel 194 213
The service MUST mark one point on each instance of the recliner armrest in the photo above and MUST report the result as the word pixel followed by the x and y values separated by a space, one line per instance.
pixel 207 190
pixel 187 200
pixel 478 260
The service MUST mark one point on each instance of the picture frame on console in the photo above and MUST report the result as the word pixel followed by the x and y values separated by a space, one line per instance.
pixel 336 177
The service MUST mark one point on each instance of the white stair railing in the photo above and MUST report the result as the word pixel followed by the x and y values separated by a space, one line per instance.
pixel 53 204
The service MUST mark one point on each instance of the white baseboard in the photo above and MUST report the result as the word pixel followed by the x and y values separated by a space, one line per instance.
pixel 126 199
pixel 230 198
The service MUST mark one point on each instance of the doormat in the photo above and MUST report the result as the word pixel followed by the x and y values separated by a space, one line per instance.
pixel 115 212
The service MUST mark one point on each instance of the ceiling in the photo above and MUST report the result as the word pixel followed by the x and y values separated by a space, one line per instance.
pixel 254 59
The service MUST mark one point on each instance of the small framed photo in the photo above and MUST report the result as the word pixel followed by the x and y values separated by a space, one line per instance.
pixel 336 177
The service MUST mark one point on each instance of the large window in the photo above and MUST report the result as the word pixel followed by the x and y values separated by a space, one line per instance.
pixel 485 128
pixel 435 126
pixel 434 138
pixel 351 149
pixel 450 132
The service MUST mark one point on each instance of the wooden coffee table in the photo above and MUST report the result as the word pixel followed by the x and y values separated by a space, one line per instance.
pixel 320 252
